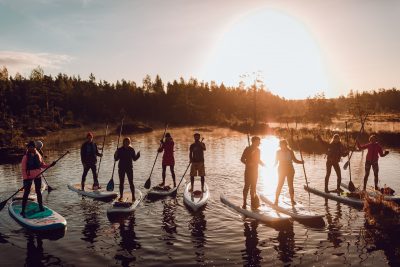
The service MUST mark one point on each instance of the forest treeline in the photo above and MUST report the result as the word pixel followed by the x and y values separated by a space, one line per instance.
pixel 52 101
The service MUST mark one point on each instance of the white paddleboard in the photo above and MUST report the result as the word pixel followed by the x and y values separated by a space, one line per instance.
pixel 197 199
pixel 35 219
pixel 375 194
pixel 32 194
pixel 342 198
pixel 262 214
pixel 126 205
pixel 89 192
pixel 297 212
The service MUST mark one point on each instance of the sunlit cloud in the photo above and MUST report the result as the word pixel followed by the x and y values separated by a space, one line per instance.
pixel 25 61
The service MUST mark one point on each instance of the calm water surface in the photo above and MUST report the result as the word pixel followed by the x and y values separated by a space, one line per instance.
pixel 166 233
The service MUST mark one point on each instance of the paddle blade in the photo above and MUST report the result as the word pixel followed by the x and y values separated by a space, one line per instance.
pixel 2 204
pixel 346 165
pixel 110 185
pixel 352 188
pixel 147 184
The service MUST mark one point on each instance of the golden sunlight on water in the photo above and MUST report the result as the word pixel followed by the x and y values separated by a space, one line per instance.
pixel 268 174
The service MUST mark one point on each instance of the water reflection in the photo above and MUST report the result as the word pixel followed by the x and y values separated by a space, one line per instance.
pixel 251 255
pixel 92 224
pixel 334 225
pixel 128 242
pixel 168 223
pixel 35 255
pixel 197 226
pixel 286 245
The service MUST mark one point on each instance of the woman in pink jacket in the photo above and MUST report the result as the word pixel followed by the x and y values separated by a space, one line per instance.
pixel 32 165
pixel 374 151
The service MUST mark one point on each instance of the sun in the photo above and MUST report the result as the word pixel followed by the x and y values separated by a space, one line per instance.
pixel 276 44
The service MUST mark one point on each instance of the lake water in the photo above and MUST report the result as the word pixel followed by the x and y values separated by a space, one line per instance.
pixel 166 233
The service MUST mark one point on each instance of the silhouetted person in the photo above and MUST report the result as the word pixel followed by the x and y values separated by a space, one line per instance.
pixel 251 158
pixel 89 154
pixel 168 157
pixel 196 157
pixel 374 151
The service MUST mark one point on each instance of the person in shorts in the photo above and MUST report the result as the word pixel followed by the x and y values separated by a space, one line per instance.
pixel 196 157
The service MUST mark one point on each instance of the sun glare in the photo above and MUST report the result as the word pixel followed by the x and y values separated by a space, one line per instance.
pixel 268 174
pixel 277 45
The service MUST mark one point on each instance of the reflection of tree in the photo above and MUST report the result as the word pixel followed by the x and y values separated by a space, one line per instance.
pixel 197 226
pixel 252 253
pixel 334 225
pixel 128 241
pixel 91 223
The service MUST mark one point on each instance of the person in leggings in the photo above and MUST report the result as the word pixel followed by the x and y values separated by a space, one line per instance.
pixel 31 166
pixel 285 158
pixel 168 158
pixel 125 155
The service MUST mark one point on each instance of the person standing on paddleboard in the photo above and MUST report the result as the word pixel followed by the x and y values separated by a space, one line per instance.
pixel 374 151
pixel 285 157
pixel 251 159
pixel 31 166
pixel 336 151
pixel 89 154
pixel 196 157
pixel 168 158
pixel 125 154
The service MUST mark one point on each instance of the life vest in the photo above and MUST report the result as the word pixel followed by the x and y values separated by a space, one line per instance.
pixel 33 161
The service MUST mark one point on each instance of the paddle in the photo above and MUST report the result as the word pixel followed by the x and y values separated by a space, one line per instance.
pixel 4 202
pixel 183 176
pixel 358 135
pixel 110 185
pixel 148 182
pixel 49 188
pixel 301 157
pixel 102 149
pixel 352 188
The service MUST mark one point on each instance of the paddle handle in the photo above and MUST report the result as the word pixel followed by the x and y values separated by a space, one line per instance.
pixel 102 149
pixel 155 160
pixel 120 133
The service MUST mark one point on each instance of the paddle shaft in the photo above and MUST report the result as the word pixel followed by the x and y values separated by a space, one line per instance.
pixel 102 149
pixel 301 157
pixel 184 174
pixel 120 133
pixel 155 160
pixel 5 201
pixel 358 136
pixel 348 155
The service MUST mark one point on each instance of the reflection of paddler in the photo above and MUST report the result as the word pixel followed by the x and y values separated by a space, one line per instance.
pixel 285 157
pixel 251 159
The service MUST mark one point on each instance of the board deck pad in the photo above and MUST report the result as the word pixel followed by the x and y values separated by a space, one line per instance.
pixel 98 193
pixel 34 218
pixel 126 205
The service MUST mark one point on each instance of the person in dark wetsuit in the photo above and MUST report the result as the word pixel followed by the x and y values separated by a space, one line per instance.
pixel 285 157
pixel 89 154
pixel 374 151
pixel 32 165
pixel 251 159
pixel 168 157
pixel 125 155
pixel 196 157
pixel 335 152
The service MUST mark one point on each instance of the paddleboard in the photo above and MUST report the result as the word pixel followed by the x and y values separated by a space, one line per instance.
pixel 263 214
pixel 35 219
pixel 126 205
pixel 375 194
pixel 89 192
pixel 342 198
pixel 197 199
pixel 32 195
pixel 297 212
pixel 157 191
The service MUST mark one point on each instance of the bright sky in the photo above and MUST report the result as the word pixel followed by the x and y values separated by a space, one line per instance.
pixel 300 47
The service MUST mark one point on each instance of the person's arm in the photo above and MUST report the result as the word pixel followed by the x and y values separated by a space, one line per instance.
pixel 82 153
pixel 381 153
pixel 295 160
pixel 191 153
pixel 43 165
pixel 23 167
pixel 161 148
pixel 276 158
pixel 203 146
pixel 116 155
pixel 243 158
pixel 324 143
pixel 259 159
pixel 361 147
pixel 344 151
pixel 135 156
